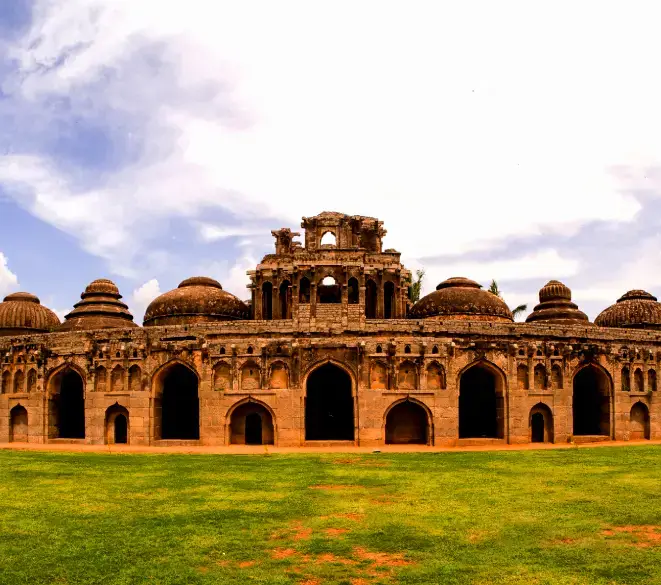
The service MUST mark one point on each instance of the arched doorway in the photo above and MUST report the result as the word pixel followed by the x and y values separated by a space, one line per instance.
pixel 67 406
pixel 639 422
pixel 179 405
pixel 285 300
pixel 251 424
pixel 267 301
pixel 329 405
pixel 117 425
pixel 370 299
pixel 541 424
pixel 18 424
pixel 481 412
pixel 407 424
pixel 591 402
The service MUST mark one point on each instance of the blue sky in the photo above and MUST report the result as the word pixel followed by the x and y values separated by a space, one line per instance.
pixel 150 141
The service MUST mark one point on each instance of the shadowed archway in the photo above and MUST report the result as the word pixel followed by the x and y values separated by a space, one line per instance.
pixel 407 424
pixel 591 402
pixel 67 406
pixel 251 424
pixel 481 403
pixel 18 424
pixel 177 404
pixel 329 412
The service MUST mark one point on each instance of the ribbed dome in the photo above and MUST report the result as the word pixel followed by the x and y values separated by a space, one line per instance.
pixel 637 309
pixel 555 306
pixel 22 313
pixel 99 308
pixel 196 300
pixel 461 298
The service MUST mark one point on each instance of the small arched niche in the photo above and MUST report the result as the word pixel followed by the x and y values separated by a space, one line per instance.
pixel 117 425
pixel 407 423
pixel 18 424
pixel 251 424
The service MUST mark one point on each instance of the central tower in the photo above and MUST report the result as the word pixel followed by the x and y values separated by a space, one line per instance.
pixel 340 278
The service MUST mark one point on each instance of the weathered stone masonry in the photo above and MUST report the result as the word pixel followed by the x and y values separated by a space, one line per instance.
pixel 329 350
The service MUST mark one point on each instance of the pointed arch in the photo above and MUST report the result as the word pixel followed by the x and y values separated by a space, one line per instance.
pixel 651 380
pixel 389 307
pixel 117 425
pixel 175 387
pixel 304 290
pixel 408 421
pixel 329 402
pixel 539 375
pixel 117 379
pixel 6 382
pixel 18 424
pixel 540 424
pixel 135 378
pixel 251 422
pixel 638 380
pixel 591 400
pixel 222 376
pixel 370 299
pixel 353 295
pixel 407 376
pixel 100 379
pixel 625 378
pixel 279 376
pixel 378 376
pixel 436 376
pixel 251 376
pixel 639 422
pixel 482 389
pixel 284 296
pixel 267 301
pixel 556 377
pixel 19 382
pixel 32 380
pixel 522 376
pixel 66 403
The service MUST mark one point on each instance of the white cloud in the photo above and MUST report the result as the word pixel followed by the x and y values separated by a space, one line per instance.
pixel 456 130
pixel 142 296
pixel 8 280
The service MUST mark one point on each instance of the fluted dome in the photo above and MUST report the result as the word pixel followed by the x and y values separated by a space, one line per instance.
pixel 461 298
pixel 99 308
pixel 195 300
pixel 555 306
pixel 637 309
pixel 22 313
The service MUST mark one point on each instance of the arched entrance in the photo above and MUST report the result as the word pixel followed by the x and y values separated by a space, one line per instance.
pixel 251 424
pixel 591 402
pixel 67 406
pixel 407 424
pixel 481 410
pixel 18 425
pixel 329 405
pixel 541 424
pixel 639 422
pixel 117 425
pixel 178 404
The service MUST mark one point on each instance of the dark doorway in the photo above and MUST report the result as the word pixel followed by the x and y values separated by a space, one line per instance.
pixel 285 300
pixel 406 423
pixel 251 424
pixel 18 424
pixel 267 301
pixel 121 429
pixel 388 300
pixel 71 407
pixel 479 405
pixel 537 427
pixel 329 405
pixel 352 291
pixel 253 429
pixel 370 299
pixel 304 291
pixel 591 402
pixel 180 408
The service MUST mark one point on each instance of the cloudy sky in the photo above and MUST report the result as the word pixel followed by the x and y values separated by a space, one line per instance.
pixel 150 140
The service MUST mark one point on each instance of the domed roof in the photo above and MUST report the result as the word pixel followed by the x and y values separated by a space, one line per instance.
pixel 22 312
pixel 99 308
pixel 461 298
pixel 636 309
pixel 196 300
pixel 555 306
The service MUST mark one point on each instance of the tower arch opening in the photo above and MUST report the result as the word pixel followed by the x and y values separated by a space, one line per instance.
pixel 67 406
pixel 591 402
pixel 177 404
pixel 481 403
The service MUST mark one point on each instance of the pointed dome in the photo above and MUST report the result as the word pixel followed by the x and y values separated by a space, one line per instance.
pixel 196 300
pixel 22 313
pixel 637 309
pixel 555 306
pixel 461 298
pixel 99 308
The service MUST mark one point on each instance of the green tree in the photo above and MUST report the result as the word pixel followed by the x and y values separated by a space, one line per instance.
pixel 493 288
pixel 416 286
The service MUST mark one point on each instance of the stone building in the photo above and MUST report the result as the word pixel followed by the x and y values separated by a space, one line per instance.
pixel 329 350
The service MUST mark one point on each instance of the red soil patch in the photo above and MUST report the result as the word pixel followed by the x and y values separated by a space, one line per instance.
pixel 359 581
pixel 246 564
pixel 309 582
pixel 335 532
pixel 381 559
pixel 646 535
pixel 283 553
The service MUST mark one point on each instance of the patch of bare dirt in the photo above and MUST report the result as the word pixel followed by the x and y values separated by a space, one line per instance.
pixel 246 564
pixel 381 559
pixel 645 536
pixel 335 532
pixel 283 553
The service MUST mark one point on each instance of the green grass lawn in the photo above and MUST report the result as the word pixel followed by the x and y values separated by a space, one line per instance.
pixel 528 517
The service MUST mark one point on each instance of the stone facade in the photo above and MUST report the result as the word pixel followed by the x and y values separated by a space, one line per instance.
pixel 329 351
